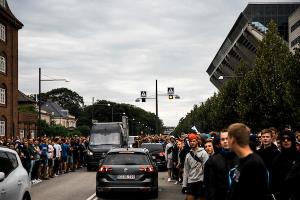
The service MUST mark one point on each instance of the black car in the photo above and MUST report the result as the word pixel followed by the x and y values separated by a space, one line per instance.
pixel 127 170
pixel 156 150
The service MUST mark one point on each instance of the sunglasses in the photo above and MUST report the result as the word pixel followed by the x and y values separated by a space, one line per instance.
pixel 286 138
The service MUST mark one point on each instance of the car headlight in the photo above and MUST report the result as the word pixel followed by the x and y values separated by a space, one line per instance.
pixel 89 152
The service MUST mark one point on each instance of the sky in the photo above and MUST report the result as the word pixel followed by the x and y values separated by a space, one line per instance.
pixel 114 49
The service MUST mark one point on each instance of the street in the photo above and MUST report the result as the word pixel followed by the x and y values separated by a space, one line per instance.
pixel 80 185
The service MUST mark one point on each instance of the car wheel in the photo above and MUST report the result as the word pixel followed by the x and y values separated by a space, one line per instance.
pixel 26 197
pixel 154 194
pixel 99 194
pixel 88 168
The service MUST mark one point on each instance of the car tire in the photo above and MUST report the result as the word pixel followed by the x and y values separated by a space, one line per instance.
pixel 154 194
pixel 100 194
pixel 88 168
pixel 26 197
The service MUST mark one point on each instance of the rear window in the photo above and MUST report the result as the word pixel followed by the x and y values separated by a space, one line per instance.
pixel 126 159
pixel 153 147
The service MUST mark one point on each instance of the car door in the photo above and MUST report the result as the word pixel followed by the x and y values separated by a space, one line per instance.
pixel 10 186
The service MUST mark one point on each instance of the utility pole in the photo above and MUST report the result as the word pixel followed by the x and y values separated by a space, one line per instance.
pixel 156 105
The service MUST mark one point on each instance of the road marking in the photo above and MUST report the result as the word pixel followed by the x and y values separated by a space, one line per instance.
pixel 91 197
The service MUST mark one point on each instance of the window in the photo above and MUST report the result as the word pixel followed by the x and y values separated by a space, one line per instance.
pixel 295 26
pixel 2 3
pixel 13 159
pixel 2 32
pixel 295 41
pixel 2 128
pixel 2 64
pixel 2 96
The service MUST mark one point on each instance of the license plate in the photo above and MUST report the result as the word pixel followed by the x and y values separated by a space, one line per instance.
pixel 126 177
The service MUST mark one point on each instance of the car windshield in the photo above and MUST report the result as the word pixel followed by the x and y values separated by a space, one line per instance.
pixel 153 147
pixel 105 138
pixel 126 159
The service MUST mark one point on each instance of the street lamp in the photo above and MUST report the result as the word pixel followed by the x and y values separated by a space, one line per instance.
pixel 39 98
pixel 222 77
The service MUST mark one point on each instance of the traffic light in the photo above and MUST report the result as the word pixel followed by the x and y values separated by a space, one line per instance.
pixel 143 99
pixel 171 97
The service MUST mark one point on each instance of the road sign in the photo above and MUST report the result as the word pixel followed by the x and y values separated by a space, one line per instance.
pixel 143 94
pixel 170 90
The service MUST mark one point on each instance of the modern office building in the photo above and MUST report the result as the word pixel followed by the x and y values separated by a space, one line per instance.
pixel 243 39
pixel 9 27
pixel 294 30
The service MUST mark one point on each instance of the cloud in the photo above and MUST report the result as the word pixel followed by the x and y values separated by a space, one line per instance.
pixel 113 49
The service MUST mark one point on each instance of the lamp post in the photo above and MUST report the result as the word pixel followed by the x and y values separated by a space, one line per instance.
pixel 39 98
pixel 222 77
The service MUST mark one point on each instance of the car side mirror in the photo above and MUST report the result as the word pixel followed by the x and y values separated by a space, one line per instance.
pixel 2 176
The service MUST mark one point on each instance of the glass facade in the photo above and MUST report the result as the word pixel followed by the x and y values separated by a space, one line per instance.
pixel 279 12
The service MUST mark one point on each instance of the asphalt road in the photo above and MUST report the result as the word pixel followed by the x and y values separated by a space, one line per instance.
pixel 80 185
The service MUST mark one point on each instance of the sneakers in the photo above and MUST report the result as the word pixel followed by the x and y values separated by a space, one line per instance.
pixel 169 179
pixel 176 182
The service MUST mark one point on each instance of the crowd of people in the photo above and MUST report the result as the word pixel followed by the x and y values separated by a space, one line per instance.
pixel 232 164
pixel 236 164
pixel 47 157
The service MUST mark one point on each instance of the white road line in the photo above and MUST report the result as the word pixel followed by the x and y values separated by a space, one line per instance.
pixel 91 197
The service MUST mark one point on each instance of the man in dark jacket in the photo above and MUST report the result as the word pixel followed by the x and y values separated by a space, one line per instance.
pixel 268 150
pixel 248 180
pixel 283 166
pixel 216 171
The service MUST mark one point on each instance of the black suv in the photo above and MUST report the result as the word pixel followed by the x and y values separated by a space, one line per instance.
pixel 156 150
pixel 126 170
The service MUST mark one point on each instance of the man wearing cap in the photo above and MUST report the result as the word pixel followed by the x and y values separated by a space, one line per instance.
pixel 193 171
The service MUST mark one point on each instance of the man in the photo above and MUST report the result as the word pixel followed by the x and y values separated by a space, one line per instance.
pixel 268 150
pixel 169 156
pixel 216 170
pixel 193 170
pixel 249 180
pixel 283 165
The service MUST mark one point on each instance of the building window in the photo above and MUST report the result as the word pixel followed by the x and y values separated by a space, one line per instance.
pixel 295 26
pixel 2 96
pixel 2 64
pixel 2 32
pixel 2 3
pixel 2 128
pixel 295 41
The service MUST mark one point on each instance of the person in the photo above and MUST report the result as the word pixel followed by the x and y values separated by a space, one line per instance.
pixel 283 164
pixel 193 169
pixel 216 170
pixel 249 179
pixel 268 150
pixel 169 156
pixel 208 146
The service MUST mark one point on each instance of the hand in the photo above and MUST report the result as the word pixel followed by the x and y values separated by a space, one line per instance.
pixel 183 190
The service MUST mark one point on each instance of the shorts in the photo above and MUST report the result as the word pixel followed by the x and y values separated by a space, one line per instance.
pixel 64 158
pixel 70 160
pixel 195 189
pixel 44 162
pixel 169 163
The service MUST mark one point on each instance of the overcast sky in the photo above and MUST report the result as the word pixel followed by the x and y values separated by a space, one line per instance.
pixel 113 49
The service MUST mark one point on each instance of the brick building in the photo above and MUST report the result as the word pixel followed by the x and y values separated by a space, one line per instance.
pixel 9 27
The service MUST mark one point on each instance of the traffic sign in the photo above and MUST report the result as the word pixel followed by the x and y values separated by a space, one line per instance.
pixel 143 94
pixel 170 90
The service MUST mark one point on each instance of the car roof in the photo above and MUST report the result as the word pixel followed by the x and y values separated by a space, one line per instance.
pixel 156 143
pixel 134 150
pixel 4 148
